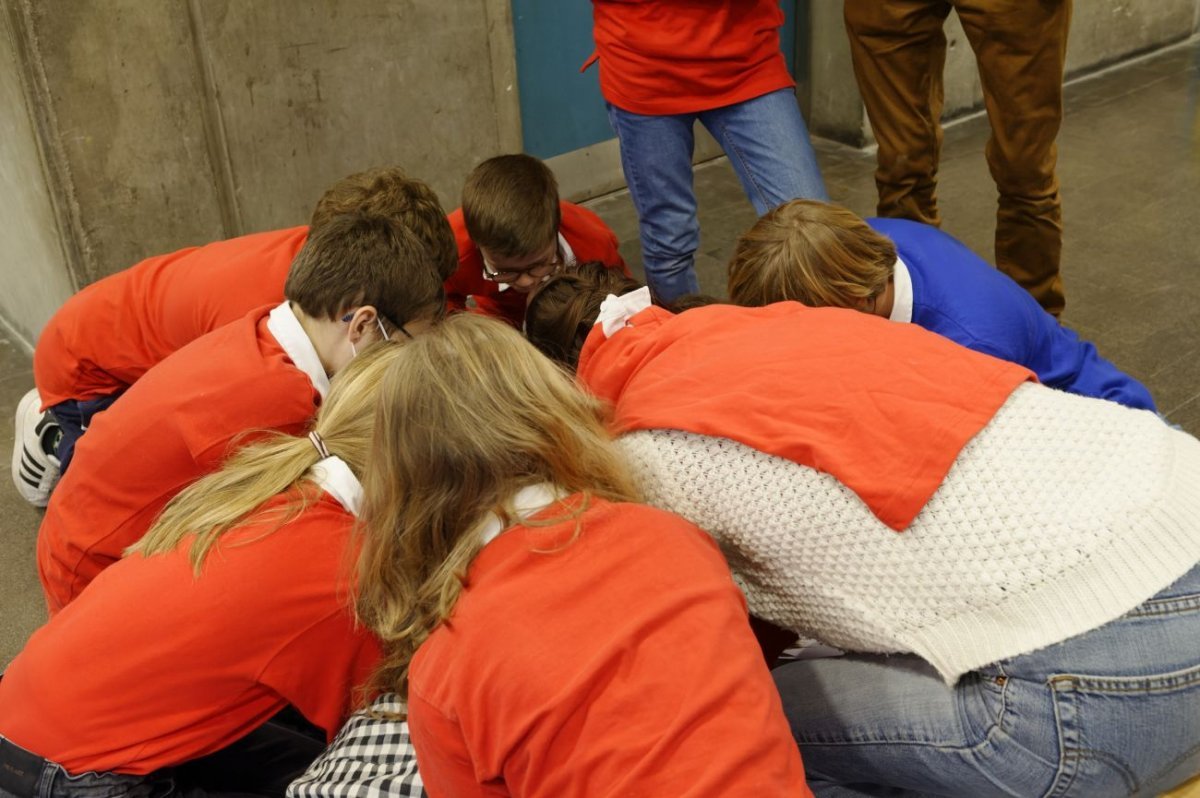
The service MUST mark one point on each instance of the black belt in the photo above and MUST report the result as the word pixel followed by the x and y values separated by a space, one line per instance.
pixel 20 770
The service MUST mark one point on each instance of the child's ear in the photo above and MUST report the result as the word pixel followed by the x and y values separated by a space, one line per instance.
pixel 363 320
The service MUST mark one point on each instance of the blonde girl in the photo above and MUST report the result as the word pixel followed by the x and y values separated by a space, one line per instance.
pixel 235 605
pixel 552 637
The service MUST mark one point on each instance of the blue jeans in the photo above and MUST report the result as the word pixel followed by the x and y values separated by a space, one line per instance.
pixel 26 775
pixel 74 416
pixel 767 144
pixel 1112 712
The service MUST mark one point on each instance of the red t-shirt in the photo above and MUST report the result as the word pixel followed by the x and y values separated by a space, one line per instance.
pixel 104 338
pixel 152 666
pixel 885 408
pixel 587 234
pixel 174 425
pixel 612 659
pixel 683 56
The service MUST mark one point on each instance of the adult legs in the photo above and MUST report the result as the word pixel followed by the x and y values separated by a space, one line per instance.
pixel 899 50
pixel 656 156
pixel 767 142
pixel 1021 49
pixel 878 725
pixel 1112 712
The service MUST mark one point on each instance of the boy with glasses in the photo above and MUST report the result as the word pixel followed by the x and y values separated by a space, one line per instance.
pixel 513 232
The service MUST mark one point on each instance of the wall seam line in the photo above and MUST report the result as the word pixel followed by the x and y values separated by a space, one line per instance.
pixel 215 134
pixel 55 168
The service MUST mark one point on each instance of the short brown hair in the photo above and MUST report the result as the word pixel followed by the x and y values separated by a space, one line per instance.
pixel 358 259
pixel 564 309
pixel 390 193
pixel 810 252
pixel 510 205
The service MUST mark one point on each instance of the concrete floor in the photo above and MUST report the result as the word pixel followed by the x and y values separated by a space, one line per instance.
pixel 1130 174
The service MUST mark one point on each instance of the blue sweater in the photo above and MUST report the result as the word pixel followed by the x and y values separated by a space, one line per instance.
pixel 958 295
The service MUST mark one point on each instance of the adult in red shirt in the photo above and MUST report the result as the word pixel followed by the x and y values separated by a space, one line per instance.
pixel 664 64
pixel 104 338
pixel 357 279
pixel 513 232
pixel 233 607
pixel 552 638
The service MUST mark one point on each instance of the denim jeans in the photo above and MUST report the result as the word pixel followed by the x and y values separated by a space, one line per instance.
pixel 767 144
pixel 26 775
pixel 1114 711
pixel 262 763
pixel 74 416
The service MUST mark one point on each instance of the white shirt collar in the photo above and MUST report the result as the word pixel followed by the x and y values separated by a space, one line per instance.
pixel 568 256
pixel 902 293
pixel 527 501
pixel 286 328
pixel 336 479
pixel 616 311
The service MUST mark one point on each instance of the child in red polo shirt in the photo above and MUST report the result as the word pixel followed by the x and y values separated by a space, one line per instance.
pixel 358 278
pixel 104 338
pixel 513 232
pixel 552 636
pixel 233 606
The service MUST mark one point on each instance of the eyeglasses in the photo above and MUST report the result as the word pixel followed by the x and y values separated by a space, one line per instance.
pixel 539 270
pixel 382 329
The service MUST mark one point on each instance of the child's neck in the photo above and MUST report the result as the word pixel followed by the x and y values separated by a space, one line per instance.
pixel 323 334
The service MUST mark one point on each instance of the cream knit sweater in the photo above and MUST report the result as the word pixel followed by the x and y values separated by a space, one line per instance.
pixel 1064 513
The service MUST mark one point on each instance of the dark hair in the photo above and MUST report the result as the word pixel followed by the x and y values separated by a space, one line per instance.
pixel 562 311
pixel 358 259
pixel 510 205
pixel 389 193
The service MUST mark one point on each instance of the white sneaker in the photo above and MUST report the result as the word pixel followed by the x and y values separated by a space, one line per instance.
pixel 35 469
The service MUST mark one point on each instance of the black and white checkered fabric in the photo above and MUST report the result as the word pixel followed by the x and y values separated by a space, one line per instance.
pixel 369 758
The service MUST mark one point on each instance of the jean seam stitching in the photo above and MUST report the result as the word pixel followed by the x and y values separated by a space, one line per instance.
pixel 731 149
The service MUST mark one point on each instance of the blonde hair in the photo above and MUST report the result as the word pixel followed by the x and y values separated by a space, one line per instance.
pixel 810 252
pixel 510 205
pixel 468 415
pixel 212 506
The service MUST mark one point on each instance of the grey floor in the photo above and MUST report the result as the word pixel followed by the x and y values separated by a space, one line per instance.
pixel 1130 174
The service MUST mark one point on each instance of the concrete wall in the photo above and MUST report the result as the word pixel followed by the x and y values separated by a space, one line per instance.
pixel 1102 32
pixel 161 125
pixel 33 268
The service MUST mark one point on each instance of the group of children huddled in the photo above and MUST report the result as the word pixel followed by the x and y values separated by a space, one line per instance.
pixel 402 501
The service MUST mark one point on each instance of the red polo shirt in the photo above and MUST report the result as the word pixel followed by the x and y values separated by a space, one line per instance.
pixel 176 424
pixel 605 655
pixel 105 337
pixel 152 666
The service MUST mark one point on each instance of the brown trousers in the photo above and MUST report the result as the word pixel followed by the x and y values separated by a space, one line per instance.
pixel 899 51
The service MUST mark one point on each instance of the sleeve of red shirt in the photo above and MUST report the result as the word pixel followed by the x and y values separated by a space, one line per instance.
pixel 445 761
pixel 460 284
pixel 325 694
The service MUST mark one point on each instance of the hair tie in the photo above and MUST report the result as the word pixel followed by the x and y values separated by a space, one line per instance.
pixel 318 443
